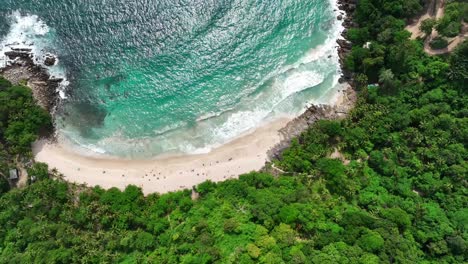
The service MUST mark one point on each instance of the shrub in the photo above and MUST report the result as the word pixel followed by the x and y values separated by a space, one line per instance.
pixel 438 43
pixel 4 83
pixel 427 25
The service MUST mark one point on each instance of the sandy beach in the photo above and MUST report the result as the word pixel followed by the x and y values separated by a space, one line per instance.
pixel 245 154
pixel 165 174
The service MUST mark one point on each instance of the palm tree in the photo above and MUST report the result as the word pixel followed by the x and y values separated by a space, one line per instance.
pixel 387 79
pixel 386 76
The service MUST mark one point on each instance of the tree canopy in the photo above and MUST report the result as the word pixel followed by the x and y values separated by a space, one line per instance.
pixel 401 198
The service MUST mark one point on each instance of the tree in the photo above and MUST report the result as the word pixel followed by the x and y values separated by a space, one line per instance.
pixel 284 235
pixel 450 24
pixel 371 241
pixel 4 83
pixel 40 171
pixel 459 64
pixel 361 81
pixel 22 118
pixel 4 185
pixel 438 43
pixel 427 25
pixel 457 244
pixel 253 251
pixel 387 80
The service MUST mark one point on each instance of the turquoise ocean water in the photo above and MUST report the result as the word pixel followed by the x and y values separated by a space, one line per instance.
pixel 146 77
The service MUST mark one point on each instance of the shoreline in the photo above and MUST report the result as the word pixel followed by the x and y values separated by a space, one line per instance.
pixel 20 67
pixel 164 174
pixel 250 152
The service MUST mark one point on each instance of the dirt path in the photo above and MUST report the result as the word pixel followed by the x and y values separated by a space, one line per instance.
pixel 453 43
pixel 338 155
pixel 434 10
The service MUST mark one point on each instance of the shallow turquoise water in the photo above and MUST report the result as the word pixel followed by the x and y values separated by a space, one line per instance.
pixel 161 76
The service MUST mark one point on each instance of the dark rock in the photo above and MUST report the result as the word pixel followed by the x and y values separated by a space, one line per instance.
pixel 341 55
pixel 340 17
pixel 23 67
pixel 24 50
pixel 13 54
pixel 50 60
pixel 55 80
pixel 347 8
pixel 344 44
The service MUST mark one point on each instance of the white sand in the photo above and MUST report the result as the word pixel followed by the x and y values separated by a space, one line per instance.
pixel 245 154
pixel 165 174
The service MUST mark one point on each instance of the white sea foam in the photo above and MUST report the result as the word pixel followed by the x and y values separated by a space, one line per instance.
pixel 298 81
pixel 214 129
pixel 210 115
pixel 238 123
pixel 191 149
pixel 84 149
pixel 317 66
pixel 30 32
pixel 290 80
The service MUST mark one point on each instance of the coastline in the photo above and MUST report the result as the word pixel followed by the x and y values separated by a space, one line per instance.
pixel 166 174
pixel 248 152
pixel 21 67
pixel 243 155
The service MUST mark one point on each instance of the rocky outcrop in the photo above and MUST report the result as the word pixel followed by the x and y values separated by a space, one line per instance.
pixel 320 112
pixel 50 60
pixel 22 69
pixel 344 46
pixel 18 53
pixel 314 113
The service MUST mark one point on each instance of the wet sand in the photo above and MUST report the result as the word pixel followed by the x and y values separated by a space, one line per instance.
pixel 245 154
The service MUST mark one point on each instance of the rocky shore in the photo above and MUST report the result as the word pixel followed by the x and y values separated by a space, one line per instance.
pixel 295 127
pixel 346 100
pixel 344 46
pixel 21 69
pixel 245 154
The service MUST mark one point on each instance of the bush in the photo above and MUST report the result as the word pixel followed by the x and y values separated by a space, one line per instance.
pixel 452 29
pixel 40 171
pixel 4 83
pixel 427 25
pixel 371 241
pixel 21 119
pixel 438 43
pixel 450 24
pixel 4 185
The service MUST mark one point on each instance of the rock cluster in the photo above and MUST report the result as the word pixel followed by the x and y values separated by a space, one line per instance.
pixel 22 69
pixel 313 113
pixel 344 46
pixel 50 60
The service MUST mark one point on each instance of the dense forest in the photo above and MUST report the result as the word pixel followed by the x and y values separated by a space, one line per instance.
pixel 21 123
pixel 398 194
